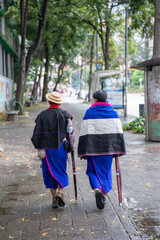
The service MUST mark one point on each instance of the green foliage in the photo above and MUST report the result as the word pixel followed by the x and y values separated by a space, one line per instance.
pixel 135 88
pixel 136 76
pixel 137 125
pixel 143 51
pixel 68 23
pixel 142 14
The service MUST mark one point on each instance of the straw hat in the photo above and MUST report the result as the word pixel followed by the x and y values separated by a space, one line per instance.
pixel 54 97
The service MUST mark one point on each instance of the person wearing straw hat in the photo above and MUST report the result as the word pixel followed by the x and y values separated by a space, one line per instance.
pixel 101 138
pixel 53 137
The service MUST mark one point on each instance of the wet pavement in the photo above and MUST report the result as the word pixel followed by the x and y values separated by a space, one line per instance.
pixel 25 204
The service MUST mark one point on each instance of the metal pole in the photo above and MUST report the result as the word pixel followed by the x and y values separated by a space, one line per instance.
pixel 79 75
pixel 126 61
pixel 85 73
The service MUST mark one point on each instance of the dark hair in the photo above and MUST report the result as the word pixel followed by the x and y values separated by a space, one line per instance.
pixel 100 95
pixel 51 102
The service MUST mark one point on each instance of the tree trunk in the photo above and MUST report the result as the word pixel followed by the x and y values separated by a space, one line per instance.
pixel 107 48
pixel 36 84
pixel 21 80
pixel 45 82
pixel 60 74
pixel 91 64
pixel 25 61
pixel 81 73
pixel 37 41
pixel 34 88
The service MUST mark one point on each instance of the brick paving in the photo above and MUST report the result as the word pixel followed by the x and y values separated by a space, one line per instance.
pixel 25 204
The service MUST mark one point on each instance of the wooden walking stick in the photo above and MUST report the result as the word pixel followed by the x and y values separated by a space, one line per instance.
pixel 119 180
pixel 74 174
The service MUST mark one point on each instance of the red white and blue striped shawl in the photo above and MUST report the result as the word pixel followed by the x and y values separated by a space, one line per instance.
pixel 101 132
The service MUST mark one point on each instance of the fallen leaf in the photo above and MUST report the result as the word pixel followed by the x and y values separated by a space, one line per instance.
pixel 7 158
pixel 142 229
pixel 11 237
pixel 14 212
pixel 22 219
pixel 44 234
pixel 36 212
pixel 6 164
pixel 73 200
pixel 148 185
pixel 54 219
pixel 113 221
pixel 2 227
pixel 105 232
pixel 33 174
pixel 29 168
pixel 42 194
pixel 123 216
pixel 81 229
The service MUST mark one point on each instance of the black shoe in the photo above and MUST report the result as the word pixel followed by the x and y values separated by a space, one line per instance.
pixel 99 199
pixel 60 200
pixel 104 200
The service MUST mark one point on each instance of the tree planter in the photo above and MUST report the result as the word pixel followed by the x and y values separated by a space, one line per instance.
pixel 12 115
pixel 28 103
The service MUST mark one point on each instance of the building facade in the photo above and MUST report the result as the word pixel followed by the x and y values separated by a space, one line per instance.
pixel 9 47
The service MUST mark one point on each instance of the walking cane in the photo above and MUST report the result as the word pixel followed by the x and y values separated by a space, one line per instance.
pixel 119 180
pixel 74 174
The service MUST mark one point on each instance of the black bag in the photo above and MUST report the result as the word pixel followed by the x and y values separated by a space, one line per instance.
pixel 67 146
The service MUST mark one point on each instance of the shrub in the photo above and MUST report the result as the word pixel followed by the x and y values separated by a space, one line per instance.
pixel 137 125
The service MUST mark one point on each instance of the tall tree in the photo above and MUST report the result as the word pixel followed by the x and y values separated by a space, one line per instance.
pixel 91 66
pixel 102 21
pixel 21 81
pixel 108 17
pixel 38 16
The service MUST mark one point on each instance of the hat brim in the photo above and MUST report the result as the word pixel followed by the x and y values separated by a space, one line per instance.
pixel 52 99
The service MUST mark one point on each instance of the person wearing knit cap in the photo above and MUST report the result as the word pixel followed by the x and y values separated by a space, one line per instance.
pixel 53 137
pixel 100 138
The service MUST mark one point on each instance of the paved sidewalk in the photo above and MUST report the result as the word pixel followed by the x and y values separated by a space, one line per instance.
pixel 25 204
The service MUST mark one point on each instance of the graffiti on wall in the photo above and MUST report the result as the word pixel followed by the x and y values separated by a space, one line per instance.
pixel 5 92
pixel 154 91
pixel 154 99
pixel 154 104
pixel 155 128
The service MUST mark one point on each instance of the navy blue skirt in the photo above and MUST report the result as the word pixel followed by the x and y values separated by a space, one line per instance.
pixel 99 172
pixel 54 168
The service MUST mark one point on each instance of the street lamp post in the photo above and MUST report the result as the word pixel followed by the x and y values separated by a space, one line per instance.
pixel 126 58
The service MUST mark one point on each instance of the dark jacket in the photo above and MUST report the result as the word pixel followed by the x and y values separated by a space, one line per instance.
pixel 50 128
